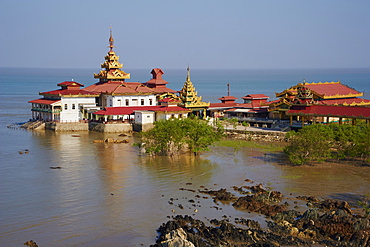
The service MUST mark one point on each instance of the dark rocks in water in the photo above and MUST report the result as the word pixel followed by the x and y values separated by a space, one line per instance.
pixel 220 195
pixel 248 222
pixel 55 167
pixel 330 204
pixel 251 204
pixel 31 243
pixel 288 216
pixel 225 234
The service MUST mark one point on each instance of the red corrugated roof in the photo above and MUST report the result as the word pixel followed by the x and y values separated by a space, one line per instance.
pixel 344 101
pixel 227 98
pixel 331 89
pixel 330 110
pixel 69 92
pixel 126 88
pixel 43 101
pixel 227 105
pixel 255 96
pixel 70 83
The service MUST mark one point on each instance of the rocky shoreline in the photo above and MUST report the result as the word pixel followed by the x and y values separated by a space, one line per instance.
pixel 322 223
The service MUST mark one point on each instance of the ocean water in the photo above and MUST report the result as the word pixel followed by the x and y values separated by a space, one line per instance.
pixel 110 195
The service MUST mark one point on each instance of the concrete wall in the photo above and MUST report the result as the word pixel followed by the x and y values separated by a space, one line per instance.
pixel 67 126
pixel 142 127
pixel 110 128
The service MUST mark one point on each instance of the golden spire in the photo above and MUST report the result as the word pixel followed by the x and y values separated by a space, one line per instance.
pixel 188 75
pixel 111 40
pixel 112 65
pixel 189 96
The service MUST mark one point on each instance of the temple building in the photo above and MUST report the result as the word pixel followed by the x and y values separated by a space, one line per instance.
pixel 114 100
pixel 252 110
pixel 65 104
pixel 190 99
pixel 321 93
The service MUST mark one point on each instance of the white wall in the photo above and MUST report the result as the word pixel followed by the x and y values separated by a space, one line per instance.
pixel 133 100
pixel 163 116
pixel 144 117
pixel 71 108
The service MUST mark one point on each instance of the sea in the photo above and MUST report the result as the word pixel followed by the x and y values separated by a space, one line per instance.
pixel 61 189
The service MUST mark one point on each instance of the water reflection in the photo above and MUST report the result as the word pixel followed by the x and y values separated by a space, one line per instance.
pixel 107 194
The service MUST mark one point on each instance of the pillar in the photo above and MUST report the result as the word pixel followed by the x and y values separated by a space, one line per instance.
pixel 291 120
pixel 302 119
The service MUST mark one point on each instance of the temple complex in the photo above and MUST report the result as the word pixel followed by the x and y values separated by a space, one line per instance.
pixel 114 101
pixel 321 93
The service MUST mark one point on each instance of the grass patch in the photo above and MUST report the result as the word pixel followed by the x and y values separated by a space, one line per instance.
pixel 267 147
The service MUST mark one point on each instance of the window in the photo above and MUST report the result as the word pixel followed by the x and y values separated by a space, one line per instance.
pixel 127 102
pixel 65 107
pixel 73 106
pixel 142 102
pixel 150 102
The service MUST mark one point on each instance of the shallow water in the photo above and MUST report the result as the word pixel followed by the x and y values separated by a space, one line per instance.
pixel 108 194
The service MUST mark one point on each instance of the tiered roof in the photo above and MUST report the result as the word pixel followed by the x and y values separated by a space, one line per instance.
pixel 112 79
pixel 112 67
pixel 189 96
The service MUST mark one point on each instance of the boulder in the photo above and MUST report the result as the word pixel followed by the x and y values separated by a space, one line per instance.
pixel 176 238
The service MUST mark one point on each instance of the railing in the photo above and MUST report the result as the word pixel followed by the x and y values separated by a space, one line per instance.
pixel 45 110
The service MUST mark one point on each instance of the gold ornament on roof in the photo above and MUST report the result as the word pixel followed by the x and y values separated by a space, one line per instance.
pixel 189 96
pixel 112 65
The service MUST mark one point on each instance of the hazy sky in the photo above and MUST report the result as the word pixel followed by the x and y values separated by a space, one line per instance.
pixel 172 33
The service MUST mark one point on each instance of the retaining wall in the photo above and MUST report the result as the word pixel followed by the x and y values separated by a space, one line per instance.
pixel 67 126
pixel 111 128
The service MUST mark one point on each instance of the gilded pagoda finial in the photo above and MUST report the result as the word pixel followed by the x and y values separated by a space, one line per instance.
pixel 111 40
pixel 112 65
pixel 188 74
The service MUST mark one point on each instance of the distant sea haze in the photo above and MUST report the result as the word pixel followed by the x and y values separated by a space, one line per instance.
pixel 210 84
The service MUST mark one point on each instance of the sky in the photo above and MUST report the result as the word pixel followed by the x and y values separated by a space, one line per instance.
pixel 170 34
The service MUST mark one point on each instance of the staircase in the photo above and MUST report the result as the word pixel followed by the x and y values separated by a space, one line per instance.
pixel 31 125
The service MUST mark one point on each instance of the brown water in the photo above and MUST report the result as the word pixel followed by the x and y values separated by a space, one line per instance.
pixel 110 195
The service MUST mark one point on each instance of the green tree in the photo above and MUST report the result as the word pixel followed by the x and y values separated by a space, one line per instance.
pixel 352 141
pixel 171 136
pixel 320 142
pixel 310 143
